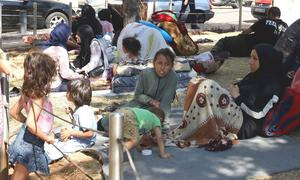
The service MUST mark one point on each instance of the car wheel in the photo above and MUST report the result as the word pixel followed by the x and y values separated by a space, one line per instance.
pixel 54 18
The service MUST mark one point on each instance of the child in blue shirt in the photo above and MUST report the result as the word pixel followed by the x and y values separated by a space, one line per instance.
pixel 79 92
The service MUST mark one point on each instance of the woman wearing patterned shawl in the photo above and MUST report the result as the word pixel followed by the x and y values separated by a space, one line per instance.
pixel 212 112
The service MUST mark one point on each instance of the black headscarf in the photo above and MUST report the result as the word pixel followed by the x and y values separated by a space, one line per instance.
pixel 88 16
pixel 270 61
pixel 86 35
pixel 270 65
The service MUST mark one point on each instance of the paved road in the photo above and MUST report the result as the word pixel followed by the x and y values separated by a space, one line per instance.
pixel 225 17
pixel 226 14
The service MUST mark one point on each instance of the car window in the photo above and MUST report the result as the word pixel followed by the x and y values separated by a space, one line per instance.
pixel 176 5
pixel 203 5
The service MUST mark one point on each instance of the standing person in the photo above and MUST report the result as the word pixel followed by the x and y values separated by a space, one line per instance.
pixel 88 17
pixel 27 153
pixel 57 50
pixel 267 30
pixel 192 14
pixel 73 139
pixel 156 87
pixel 211 111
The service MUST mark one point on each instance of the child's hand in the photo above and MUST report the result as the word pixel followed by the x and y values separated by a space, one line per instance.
pixel 165 155
pixel 65 134
pixel 69 110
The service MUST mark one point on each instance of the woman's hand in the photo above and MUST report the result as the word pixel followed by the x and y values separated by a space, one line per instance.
pixel 69 110
pixel 234 91
pixel 28 39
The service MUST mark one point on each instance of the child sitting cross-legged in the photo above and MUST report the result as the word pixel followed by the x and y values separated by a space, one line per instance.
pixel 138 120
pixel 73 139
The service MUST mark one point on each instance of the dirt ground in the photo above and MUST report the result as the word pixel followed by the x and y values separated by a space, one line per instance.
pixel 232 70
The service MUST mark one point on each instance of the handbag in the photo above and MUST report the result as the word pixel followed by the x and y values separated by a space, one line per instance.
pixel 97 71
pixel 285 116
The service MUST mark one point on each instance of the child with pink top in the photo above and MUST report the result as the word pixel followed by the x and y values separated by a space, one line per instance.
pixel 27 153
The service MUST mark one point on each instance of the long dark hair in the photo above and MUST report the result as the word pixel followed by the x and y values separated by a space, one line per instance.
pixel 86 35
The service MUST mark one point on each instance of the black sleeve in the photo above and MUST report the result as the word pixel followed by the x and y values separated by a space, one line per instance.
pixel 258 25
pixel 257 101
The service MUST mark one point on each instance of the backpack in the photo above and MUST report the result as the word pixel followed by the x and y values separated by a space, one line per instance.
pixel 182 44
pixel 104 67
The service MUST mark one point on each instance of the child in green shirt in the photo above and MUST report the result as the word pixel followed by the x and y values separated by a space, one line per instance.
pixel 141 120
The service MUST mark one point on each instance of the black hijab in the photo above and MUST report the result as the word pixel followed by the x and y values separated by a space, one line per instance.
pixel 270 66
pixel 88 17
pixel 270 61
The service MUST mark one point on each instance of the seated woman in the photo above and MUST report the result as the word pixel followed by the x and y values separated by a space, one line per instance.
pixel 156 86
pixel 58 52
pixel 149 38
pixel 211 111
pixel 91 56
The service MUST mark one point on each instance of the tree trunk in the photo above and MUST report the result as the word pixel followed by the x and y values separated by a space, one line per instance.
pixel 131 11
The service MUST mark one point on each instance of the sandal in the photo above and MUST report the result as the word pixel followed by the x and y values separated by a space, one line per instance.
pixel 219 145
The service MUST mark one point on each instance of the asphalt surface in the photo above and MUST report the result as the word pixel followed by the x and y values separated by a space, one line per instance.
pixel 225 18
pixel 249 159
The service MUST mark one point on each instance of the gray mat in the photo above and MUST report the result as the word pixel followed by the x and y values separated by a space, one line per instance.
pixel 250 158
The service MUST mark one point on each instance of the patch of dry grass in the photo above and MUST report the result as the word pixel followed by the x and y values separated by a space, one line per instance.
pixel 232 70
